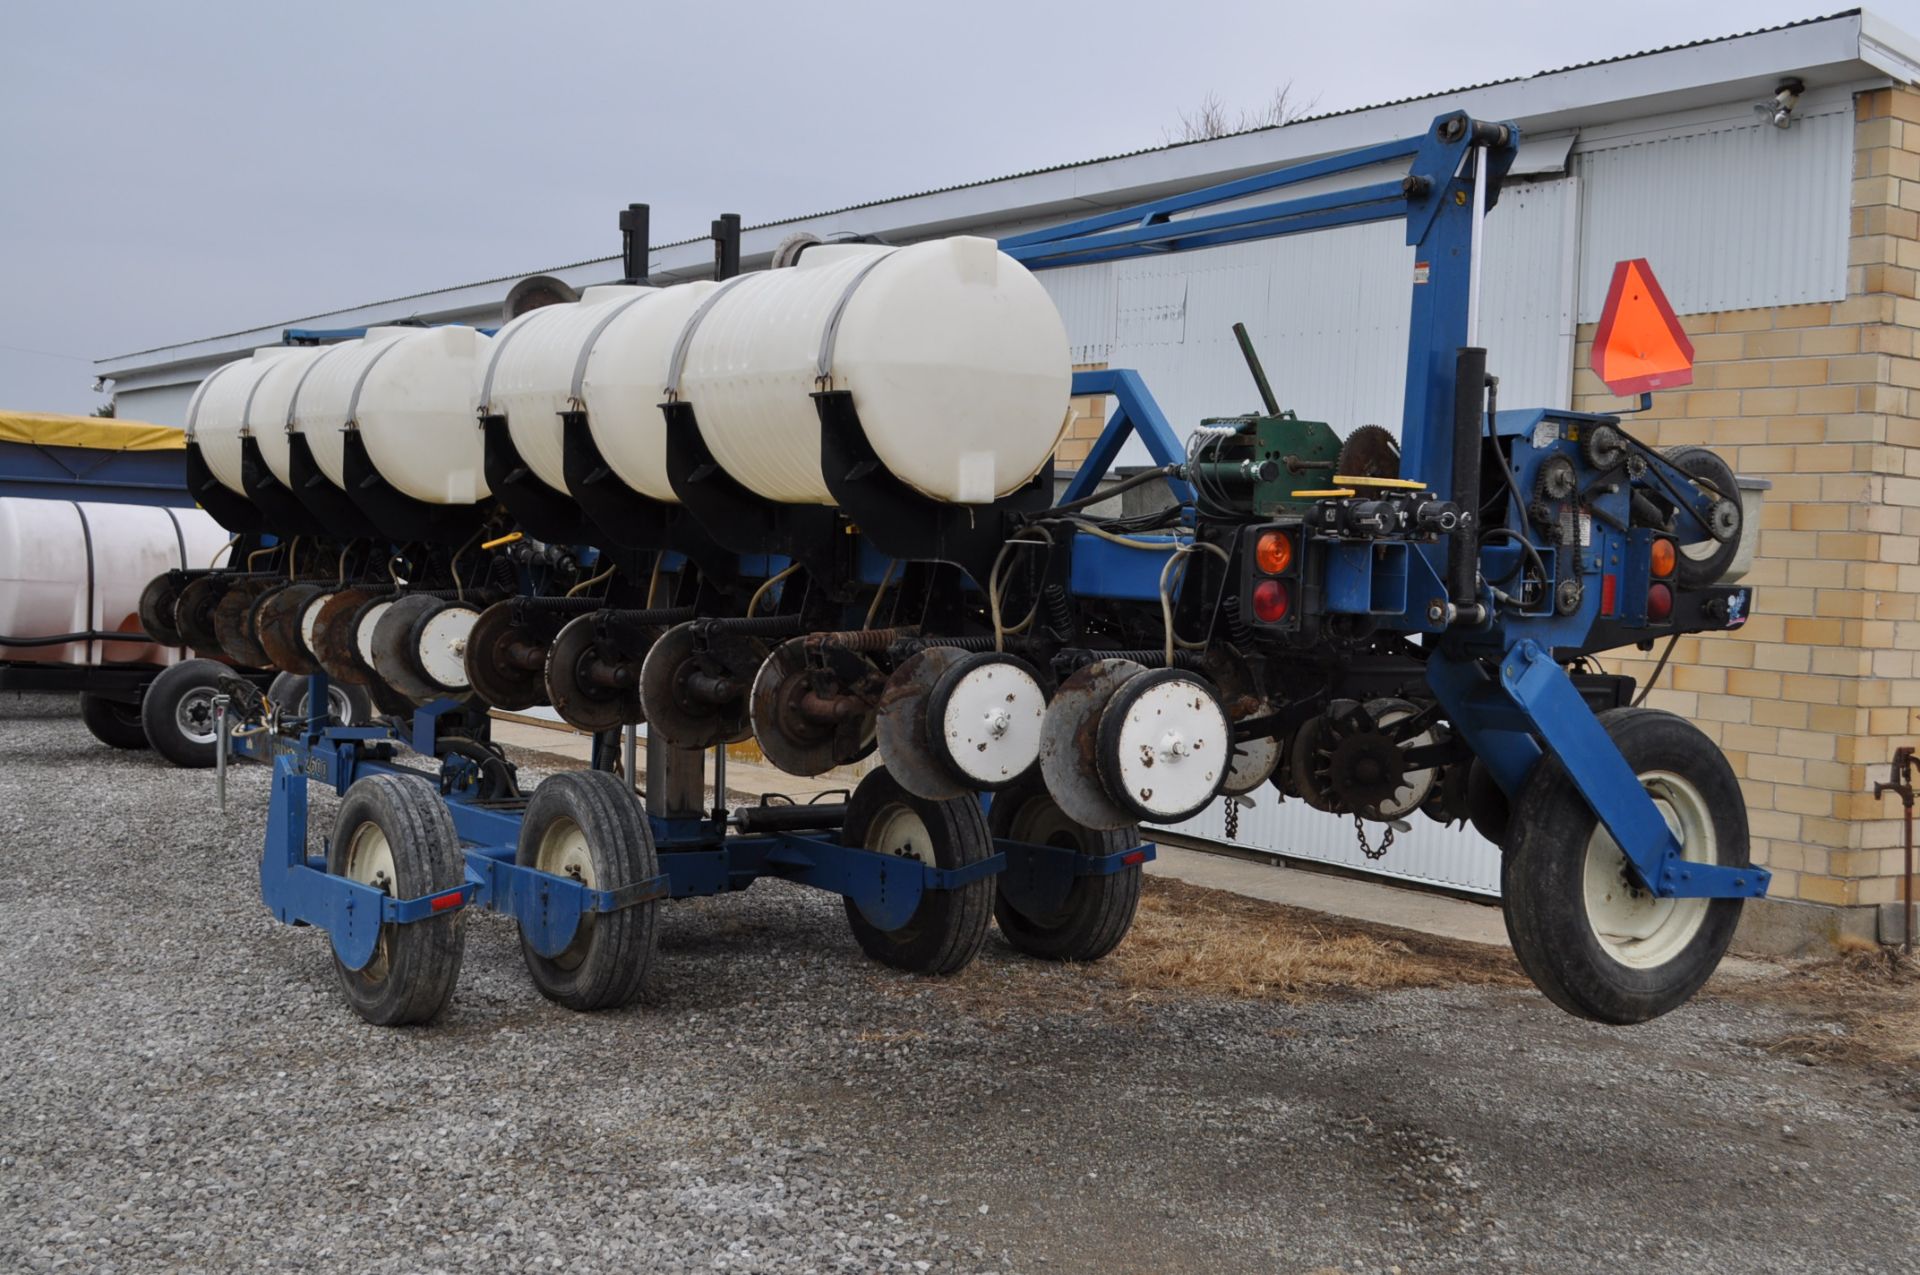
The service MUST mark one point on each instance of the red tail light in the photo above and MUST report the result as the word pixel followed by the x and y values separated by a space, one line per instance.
pixel 1659 602
pixel 1270 601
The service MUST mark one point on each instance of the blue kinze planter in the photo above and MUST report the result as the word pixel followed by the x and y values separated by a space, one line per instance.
pixel 1380 626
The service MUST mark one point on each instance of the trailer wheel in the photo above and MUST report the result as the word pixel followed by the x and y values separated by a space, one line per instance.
pixel 113 722
pixel 587 825
pixel 1595 943
pixel 1098 911
pixel 177 712
pixel 947 930
pixel 347 705
pixel 394 833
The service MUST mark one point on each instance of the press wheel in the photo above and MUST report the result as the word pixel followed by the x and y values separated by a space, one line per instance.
pixel 506 662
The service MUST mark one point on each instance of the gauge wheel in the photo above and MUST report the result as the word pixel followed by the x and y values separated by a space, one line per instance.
pixel 1589 936
pixel 1095 912
pixel 586 825
pixel 395 834
pixel 947 929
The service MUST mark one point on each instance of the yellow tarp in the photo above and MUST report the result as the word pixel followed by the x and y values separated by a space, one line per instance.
pixel 101 432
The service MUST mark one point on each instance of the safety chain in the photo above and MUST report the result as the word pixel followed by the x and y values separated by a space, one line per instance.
pixel 1233 818
pixel 1360 833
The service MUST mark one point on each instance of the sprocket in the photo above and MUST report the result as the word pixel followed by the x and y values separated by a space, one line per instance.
pixel 1371 451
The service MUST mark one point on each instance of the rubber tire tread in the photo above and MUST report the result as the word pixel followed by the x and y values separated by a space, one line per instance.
pixel 1542 876
pixel 949 927
pixel 621 949
pixel 163 697
pixel 1099 910
pixel 424 956
pixel 115 723
pixel 288 691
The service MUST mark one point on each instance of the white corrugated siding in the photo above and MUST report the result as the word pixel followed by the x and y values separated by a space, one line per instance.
pixel 1328 312
pixel 1731 215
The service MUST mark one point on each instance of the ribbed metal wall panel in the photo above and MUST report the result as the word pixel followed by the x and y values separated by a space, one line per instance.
pixel 1430 854
pixel 1084 296
pixel 1329 312
pixel 1731 215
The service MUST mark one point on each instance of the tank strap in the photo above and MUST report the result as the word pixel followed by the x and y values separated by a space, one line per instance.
pixel 86 534
pixel 685 342
pixel 193 408
pixel 830 336
pixel 300 384
pixel 353 402
pixel 500 344
pixel 593 338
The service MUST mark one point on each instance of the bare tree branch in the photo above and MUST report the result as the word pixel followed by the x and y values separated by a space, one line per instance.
pixel 1212 118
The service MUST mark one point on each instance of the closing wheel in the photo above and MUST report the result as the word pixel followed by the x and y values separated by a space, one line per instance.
pixel 439 646
pixel 698 694
pixel 1706 561
pixel 157 602
pixel 177 712
pixel 277 623
pixel 395 834
pixel 586 825
pixel 346 705
pixel 1164 746
pixel 1594 941
pixel 506 663
pixel 387 645
pixel 113 722
pixel 586 687
pixel 945 932
pixel 1096 912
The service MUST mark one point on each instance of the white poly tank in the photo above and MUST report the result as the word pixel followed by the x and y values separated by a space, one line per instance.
pixel 217 413
pixel 266 411
pixel 411 393
pixel 534 368
pixel 626 382
pixel 955 356
pixel 67 568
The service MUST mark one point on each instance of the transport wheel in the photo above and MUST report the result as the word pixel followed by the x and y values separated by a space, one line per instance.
pixel 113 722
pixel 394 833
pixel 1097 911
pixel 586 825
pixel 346 705
pixel 946 931
pixel 1705 562
pixel 1594 942
pixel 177 712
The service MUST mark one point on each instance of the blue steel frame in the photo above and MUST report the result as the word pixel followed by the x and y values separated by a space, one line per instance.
pixel 1498 682
pixel 697 857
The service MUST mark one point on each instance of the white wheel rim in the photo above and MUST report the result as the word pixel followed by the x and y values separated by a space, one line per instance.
pixel 1251 765
pixel 563 852
pixel 897 830
pixel 991 726
pixel 1636 927
pixel 370 862
pixel 1172 747
pixel 193 714
pixel 310 619
pixel 443 646
pixel 363 636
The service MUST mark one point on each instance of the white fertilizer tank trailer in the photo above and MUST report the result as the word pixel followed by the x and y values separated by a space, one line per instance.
pixel 815 506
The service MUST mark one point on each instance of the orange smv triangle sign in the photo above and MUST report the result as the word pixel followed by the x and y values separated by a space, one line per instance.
pixel 1639 345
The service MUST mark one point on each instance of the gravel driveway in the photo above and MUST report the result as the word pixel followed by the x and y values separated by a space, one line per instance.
pixel 183 1090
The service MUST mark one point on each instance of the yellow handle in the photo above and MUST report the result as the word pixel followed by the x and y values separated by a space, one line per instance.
pixel 507 539
pixel 1328 494
pixel 1403 484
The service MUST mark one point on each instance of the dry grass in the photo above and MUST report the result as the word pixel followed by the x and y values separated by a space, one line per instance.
pixel 1208 942
pixel 1871 994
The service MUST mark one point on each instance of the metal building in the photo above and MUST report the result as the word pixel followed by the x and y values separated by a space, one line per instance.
pixel 1683 156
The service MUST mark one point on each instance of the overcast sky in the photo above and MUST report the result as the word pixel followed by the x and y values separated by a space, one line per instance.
pixel 173 170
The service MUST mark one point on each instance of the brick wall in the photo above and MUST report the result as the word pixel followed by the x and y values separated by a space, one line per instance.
pixel 1821 685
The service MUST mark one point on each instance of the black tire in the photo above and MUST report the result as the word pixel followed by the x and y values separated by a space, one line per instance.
pixel 1098 911
pixel 606 965
pixel 1546 880
pixel 1487 806
pixel 177 712
pixel 348 705
pixel 415 966
pixel 1700 565
pixel 947 930
pixel 113 722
